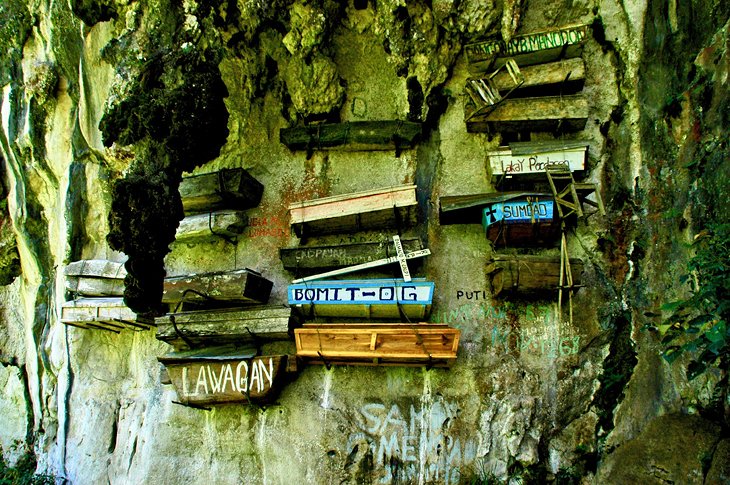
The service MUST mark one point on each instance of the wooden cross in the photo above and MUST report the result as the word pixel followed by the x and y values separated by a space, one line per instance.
pixel 401 258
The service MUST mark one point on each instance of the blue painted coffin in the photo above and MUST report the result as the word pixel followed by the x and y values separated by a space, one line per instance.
pixel 527 220
pixel 376 298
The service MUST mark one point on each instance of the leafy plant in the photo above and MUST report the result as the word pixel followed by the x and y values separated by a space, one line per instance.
pixel 698 324
pixel 23 473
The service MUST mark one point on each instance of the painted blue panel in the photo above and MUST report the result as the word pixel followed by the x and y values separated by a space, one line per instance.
pixel 518 212
pixel 367 292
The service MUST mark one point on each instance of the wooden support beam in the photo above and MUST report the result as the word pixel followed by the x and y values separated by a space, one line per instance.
pixel 354 135
pixel 226 223
pixel 551 113
pixel 226 189
pixel 241 285
pixel 103 313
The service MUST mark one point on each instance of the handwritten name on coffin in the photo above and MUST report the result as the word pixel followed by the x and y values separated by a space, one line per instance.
pixel 225 381
pixel 516 212
pixel 361 292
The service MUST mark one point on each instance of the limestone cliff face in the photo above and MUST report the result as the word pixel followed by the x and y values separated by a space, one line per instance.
pixel 106 103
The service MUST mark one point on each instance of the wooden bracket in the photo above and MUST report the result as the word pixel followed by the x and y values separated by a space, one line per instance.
pixel 194 406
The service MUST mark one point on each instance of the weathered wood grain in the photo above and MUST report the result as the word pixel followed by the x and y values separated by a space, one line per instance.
pixel 226 326
pixel 229 378
pixel 354 135
pixel 330 257
pixel 225 223
pixel 380 208
pixel 226 189
pixel 95 277
pixel 528 160
pixel 241 285
pixel 375 345
pixel 549 113
pixel 543 74
pixel 526 274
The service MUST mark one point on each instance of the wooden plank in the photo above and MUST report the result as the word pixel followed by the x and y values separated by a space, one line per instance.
pixel 226 326
pixel 549 113
pixel 408 343
pixel 96 268
pixel 234 380
pixel 527 274
pixel 354 135
pixel 225 223
pixel 527 49
pixel 543 74
pixel 241 285
pixel 529 164
pixel 226 189
pixel 376 298
pixel 329 257
pixel 380 208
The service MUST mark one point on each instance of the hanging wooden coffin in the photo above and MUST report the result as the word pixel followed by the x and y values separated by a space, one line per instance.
pixel 329 257
pixel 530 275
pixel 354 135
pixel 95 277
pixel 102 314
pixel 240 286
pixel 224 223
pixel 528 160
pixel 377 298
pixel 527 49
pixel 226 189
pixel 373 209
pixel 549 113
pixel 217 376
pixel 526 220
pixel 377 344
pixel 226 326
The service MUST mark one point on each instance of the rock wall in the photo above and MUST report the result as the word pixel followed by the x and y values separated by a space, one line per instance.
pixel 106 103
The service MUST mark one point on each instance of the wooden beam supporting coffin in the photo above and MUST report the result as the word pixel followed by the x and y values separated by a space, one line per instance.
pixel 226 224
pixel 330 257
pixel 103 314
pixel 529 275
pixel 226 189
pixel 95 277
pixel 550 113
pixel 527 49
pixel 372 209
pixel 217 376
pixel 226 326
pixel 386 344
pixel 375 298
pixel 240 286
pixel 354 135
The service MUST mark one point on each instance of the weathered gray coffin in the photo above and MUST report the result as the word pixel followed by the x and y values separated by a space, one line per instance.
pixel 231 188
pixel 530 275
pixel 549 113
pixel 223 223
pixel 240 286
pixel 354 135
pixel 227 326
pixel 95 277
pixel 328 257
pixel 103 314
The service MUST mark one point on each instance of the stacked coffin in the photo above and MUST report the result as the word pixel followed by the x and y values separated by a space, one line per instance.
pixel 219 321
pixel 98 286
pixel 214 204
pixel 406 299
pixel 532 83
